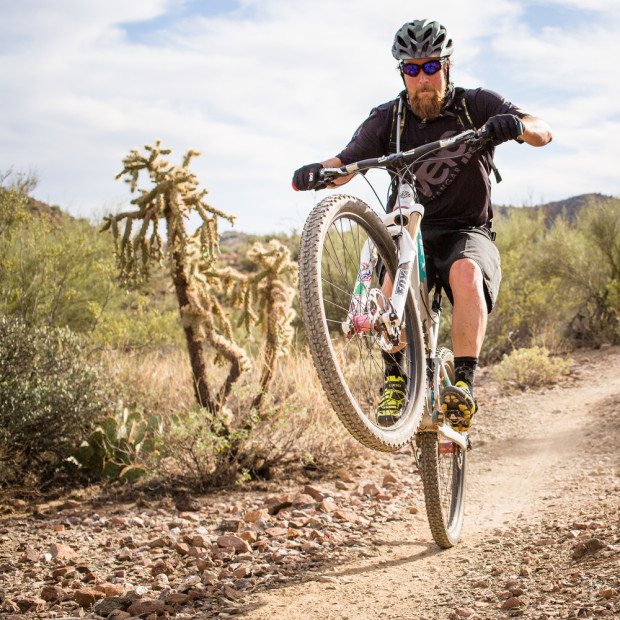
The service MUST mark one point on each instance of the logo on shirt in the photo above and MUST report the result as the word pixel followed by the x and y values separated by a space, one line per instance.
pixel 436 173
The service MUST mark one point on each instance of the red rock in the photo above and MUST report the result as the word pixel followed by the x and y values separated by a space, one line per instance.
pixel 317 494
pixel 177 598
pixel 344 475
pixel 200 541
pixel 145 606
pixel 464 612
pixel 327 505
pixel 86 598
pixel 31 604
pixel 303 499
pixel 209 577
pixel 59 527
pixel 118 614
pixel 371 489
pixel 345 515
pixel 254 515
pixel 513 603
pixel 182 548
pixel 124 555
pixel 117 521
pixel 161 568
pixel 249 536
pixel 53 593
pixel 390 478
pixel 111 589
pixel 276 504
pixel 241 572
pixel 62 552
pixel 608 593
pixel 589 546
pixel 31 555
pixel 275 532
pixel 238 544
pixel 414 510
pixel 157 543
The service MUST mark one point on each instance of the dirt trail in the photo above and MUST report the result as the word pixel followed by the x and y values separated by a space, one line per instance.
pixel 541 537
pixel 518 480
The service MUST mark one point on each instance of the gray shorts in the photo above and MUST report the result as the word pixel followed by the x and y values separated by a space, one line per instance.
pixel 442 247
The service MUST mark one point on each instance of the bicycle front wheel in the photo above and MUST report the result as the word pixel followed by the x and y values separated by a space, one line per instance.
pixel 346 251
pixel 443 467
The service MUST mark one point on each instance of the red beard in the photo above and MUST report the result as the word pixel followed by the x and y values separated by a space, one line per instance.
pixel 426 107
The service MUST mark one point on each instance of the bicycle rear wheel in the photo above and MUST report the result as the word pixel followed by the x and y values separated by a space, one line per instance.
pixel 443 468
pixel 345 252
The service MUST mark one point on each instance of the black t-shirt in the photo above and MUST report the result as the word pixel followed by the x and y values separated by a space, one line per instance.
pixel 453 184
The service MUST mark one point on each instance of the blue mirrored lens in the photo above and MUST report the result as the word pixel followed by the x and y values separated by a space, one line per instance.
pixel 430 68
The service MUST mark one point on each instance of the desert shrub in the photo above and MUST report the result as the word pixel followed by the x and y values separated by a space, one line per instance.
pixel 532 367
pixel 50 396
pixel 584 257
pixel 296 431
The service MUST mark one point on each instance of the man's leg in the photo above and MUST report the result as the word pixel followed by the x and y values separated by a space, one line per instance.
pixel 469 312
pixel 469 321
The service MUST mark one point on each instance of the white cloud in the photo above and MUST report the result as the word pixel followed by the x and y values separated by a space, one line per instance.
pixel 271 86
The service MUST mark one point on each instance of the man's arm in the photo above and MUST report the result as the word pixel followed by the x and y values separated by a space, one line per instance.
pixel 537 132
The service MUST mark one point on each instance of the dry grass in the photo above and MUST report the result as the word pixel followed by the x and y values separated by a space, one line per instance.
pixel 297 428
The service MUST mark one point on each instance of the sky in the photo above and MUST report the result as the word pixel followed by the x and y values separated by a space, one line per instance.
pixel 261 87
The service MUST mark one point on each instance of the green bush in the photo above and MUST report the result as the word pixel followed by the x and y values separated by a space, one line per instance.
pixel 49 397
pixel 525 368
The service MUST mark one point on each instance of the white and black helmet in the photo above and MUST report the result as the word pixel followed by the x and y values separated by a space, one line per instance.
pixel 422 38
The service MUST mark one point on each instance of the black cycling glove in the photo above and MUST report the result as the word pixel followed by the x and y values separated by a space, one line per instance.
pixel 307 177
pixel 503 127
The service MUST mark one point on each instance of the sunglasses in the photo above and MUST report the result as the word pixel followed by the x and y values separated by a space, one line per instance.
pixel 430 68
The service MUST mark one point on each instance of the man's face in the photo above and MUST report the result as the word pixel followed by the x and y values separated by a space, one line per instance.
pixel 426 92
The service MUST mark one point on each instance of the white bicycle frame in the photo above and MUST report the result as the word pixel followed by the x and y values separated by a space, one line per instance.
pixel 403 224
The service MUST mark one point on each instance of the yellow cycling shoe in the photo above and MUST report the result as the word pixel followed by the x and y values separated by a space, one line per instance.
pixel 458 406
pixel 392 401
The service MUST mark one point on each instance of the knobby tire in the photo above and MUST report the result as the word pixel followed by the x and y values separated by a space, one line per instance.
pixel 336 229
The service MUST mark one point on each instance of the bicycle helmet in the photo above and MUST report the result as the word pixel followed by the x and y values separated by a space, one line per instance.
pixel 422 38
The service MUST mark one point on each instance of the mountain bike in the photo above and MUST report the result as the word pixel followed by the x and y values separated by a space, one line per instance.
pixel 365 296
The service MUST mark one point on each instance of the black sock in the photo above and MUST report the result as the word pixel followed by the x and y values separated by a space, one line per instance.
pixel 394 363
pixel 464 370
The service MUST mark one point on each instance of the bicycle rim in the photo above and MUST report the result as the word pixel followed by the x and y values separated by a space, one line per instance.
pixel 443 465
pixel 341 231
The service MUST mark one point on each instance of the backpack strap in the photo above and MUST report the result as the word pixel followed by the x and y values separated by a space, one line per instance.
pixel 467 122
pixel 397 124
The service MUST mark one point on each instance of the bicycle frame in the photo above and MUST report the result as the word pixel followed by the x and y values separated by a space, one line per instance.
pixel 403 223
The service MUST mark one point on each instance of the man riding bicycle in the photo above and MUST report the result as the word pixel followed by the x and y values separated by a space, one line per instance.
pixel 455 190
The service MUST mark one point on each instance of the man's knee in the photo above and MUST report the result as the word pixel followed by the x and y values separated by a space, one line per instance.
pixel 465 276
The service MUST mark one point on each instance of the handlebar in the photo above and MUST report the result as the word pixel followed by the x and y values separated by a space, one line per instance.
pixel 471 136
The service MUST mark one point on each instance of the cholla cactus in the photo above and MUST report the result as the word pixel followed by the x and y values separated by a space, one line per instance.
pixel 274 298
pixel 174 196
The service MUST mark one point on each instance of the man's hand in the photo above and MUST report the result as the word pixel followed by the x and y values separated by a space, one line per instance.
pixel 307 177
pixel 503 127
